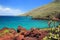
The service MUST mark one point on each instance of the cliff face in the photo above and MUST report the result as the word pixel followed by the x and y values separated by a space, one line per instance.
pixel 42 12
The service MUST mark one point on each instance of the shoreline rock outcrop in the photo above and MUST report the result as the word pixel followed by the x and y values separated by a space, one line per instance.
pixel 32 34
pixel 22 34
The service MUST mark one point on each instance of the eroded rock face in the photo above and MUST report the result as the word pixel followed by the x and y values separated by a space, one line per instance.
pixel 22 34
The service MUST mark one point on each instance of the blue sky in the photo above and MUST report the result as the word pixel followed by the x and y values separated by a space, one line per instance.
pixel 16 7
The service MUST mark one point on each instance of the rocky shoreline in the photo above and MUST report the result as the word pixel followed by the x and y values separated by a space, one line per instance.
pixel 56 19
pixel 32 34
pixel 22 34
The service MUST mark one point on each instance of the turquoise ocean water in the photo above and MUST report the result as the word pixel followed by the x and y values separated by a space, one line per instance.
pixel 25 22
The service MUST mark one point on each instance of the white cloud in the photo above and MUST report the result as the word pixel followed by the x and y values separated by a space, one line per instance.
pixel 9 11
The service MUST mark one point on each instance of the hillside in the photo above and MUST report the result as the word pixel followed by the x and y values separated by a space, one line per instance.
pixel 52 8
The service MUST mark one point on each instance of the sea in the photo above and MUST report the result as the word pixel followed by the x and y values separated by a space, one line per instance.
pixel 23 21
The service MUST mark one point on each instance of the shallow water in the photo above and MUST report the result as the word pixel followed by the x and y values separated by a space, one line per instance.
pixel 25 22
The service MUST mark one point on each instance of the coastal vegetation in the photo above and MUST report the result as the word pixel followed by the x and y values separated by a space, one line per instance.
pixel 54 34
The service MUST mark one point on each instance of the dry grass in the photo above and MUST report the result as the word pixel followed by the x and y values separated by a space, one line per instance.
pixel 44 11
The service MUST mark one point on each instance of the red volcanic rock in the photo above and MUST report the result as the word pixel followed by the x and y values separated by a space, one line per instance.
pixel 37 34
pixel 23 34
pixel 20 37
pixel 30 38
pixel 1 38
pixel 8 37
pixel 12 31
pixel 43 34
pixel 33 33
pixel 2 30
pixel 20 29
